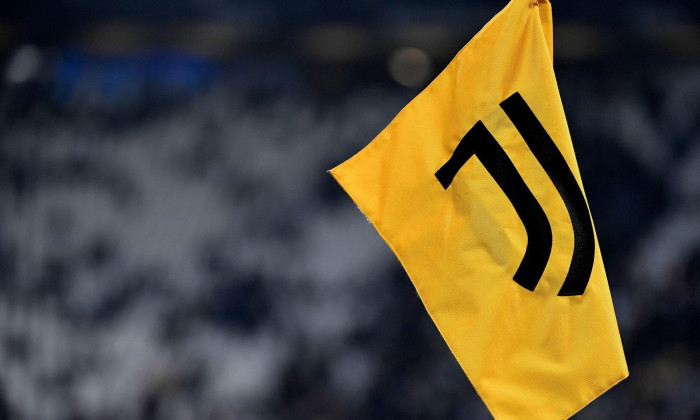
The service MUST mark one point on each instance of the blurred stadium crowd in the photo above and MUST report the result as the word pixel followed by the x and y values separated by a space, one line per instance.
pixel 171 246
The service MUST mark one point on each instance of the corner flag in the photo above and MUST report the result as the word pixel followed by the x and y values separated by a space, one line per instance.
pixel 475 187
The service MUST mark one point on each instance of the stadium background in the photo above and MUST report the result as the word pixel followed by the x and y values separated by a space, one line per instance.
pixel 171 246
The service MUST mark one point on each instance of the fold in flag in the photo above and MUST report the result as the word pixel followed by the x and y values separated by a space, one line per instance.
pixel 475 187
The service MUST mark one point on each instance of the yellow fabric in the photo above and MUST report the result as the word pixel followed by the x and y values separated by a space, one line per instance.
pixel 529 354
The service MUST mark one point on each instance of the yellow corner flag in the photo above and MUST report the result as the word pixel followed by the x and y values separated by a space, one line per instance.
pixel 475 187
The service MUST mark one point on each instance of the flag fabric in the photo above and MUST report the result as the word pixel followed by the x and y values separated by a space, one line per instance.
pixel 475 187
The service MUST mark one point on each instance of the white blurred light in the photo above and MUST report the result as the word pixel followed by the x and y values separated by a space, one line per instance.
pixel 24 65
pixel 410 66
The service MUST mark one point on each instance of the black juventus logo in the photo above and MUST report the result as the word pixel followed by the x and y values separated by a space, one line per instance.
pixel 479 141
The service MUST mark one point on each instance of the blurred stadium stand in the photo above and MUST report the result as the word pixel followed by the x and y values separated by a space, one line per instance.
pixel 172 248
